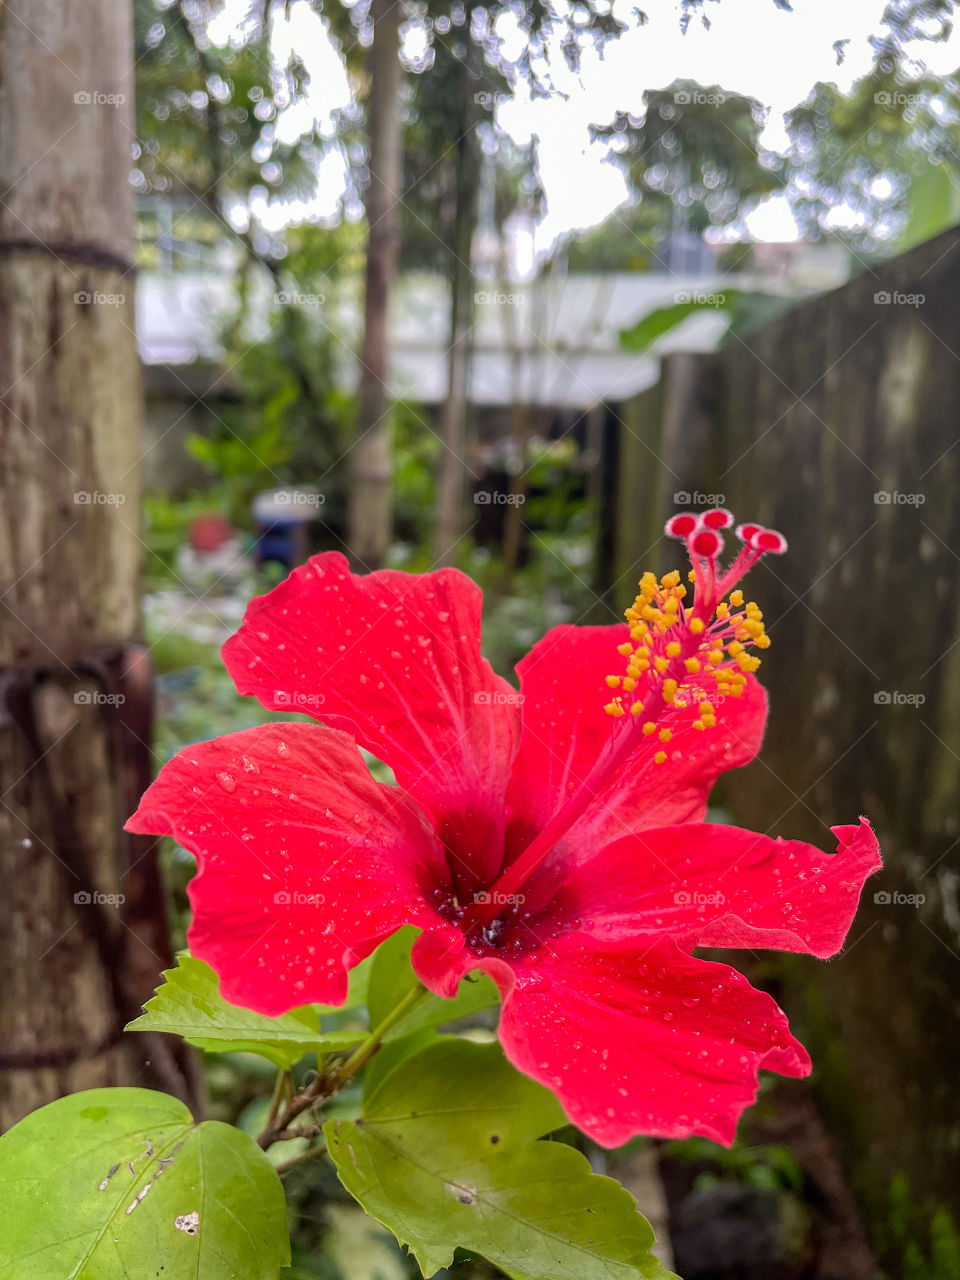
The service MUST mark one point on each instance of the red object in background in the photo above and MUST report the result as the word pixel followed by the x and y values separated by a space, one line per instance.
pixel 209 533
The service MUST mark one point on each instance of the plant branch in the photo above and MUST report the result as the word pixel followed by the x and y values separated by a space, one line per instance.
pixel 302 1158
pixel 330 1082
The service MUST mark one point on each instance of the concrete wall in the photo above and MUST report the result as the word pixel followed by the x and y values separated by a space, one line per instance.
pixel 181 400
pixel 801 426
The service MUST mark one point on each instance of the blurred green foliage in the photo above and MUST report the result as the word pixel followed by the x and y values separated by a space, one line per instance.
pixel 912 1243
pixel 766 1167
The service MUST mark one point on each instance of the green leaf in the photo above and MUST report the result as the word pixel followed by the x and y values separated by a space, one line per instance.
pixel 641 336
pixel 445 1154
pixel 190 1004
pixel 392 977
pixel 116 1183
pixel 933 203
pixel 392 1054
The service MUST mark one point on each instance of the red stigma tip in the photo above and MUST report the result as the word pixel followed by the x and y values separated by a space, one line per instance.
pixel 717 518
pixel 746 532
pixel 769 540
pixel 680 526
pixel 705 542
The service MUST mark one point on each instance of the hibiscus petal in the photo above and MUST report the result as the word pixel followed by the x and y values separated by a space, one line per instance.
pixel 710 885
pixel 565 728
pixel 394 659
pixel 305 862
pixel 641 1038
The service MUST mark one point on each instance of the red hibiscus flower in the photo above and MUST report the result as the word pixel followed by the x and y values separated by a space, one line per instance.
pixel 552 837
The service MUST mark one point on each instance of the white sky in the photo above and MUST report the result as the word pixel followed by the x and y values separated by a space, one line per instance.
pixel 751 47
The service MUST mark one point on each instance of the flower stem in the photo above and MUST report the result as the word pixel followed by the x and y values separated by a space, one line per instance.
pixel 368 1047
pixel 329 1083
pixel 281 1086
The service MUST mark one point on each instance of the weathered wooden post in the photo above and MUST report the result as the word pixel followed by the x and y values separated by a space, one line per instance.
pixel 82 932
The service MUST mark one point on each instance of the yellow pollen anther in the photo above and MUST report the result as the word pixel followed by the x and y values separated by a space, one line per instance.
pixel 659 757
pixel 721 649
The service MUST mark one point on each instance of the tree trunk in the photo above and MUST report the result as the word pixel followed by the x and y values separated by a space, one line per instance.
pixel 82 929
pixel 369 525
pixel 448 526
